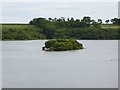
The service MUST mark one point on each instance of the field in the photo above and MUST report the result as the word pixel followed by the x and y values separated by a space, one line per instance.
pixel 32 27
pixel 20 27
pixel 109 26
pixel 20 31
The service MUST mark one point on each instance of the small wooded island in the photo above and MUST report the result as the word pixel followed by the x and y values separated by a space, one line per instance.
pixel 62 45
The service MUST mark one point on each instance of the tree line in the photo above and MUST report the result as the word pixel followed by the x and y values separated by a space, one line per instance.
pixel 62 23
pixel 61 28
pixel 71 22
pixel 86 28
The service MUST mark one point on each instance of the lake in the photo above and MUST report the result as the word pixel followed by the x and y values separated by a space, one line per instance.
pixel 25 65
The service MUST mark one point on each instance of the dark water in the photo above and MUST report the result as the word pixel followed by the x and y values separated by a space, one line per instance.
pixel 25 65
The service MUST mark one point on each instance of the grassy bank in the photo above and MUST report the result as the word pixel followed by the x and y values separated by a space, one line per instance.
pixel 110 26
pixel 31 32
pixel 21 32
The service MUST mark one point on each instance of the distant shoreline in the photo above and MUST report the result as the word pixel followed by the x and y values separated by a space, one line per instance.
pixel 12 32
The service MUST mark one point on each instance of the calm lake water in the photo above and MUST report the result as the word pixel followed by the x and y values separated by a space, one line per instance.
pixel 25 65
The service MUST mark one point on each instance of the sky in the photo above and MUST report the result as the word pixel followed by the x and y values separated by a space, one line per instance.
pixel 59 0
pixel 23 12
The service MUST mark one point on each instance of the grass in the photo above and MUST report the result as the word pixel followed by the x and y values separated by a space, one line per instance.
pixel 21 32
pixel 20 26
pixel 28 27
pixel 109 26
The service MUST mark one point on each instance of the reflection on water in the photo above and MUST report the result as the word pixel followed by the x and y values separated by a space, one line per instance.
pixel 25 65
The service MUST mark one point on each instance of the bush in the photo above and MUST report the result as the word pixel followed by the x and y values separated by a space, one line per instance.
pixel 62 45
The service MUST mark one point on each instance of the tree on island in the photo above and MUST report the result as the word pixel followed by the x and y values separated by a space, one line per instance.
pixel 62 45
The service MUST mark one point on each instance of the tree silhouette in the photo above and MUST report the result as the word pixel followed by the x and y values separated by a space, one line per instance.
pixel 107 21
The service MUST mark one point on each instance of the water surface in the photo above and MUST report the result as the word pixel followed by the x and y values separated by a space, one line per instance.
pixel 25 65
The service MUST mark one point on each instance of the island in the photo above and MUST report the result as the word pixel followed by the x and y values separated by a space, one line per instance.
pixel 62 45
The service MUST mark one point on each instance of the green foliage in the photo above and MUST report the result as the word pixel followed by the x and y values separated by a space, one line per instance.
pixel 87 33
pixel 40 22
pixel 116 21
pixel 49 30
pixel 63 45
pixel 62 23
pixel 42 28
pixel 21 32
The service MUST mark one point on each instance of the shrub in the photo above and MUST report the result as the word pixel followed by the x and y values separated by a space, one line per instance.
pixel 62 45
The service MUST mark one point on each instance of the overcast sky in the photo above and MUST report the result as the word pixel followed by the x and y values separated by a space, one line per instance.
pixel 23 12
